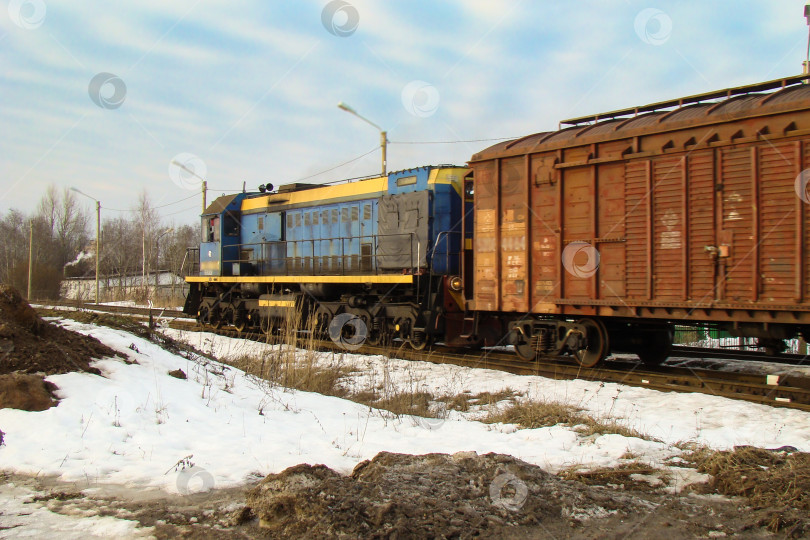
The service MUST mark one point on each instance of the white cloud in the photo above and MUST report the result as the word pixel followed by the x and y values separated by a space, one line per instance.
pixel 252 88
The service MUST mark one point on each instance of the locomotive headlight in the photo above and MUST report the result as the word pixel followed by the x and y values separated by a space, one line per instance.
pixel 456 284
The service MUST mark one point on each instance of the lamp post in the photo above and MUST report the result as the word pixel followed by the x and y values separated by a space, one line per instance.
pixel 383 134
pixel 203 180
pixel 98 232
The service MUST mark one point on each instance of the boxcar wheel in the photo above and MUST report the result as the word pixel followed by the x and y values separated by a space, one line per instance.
pixel 596 343
pixel 525 351
pixel 657 347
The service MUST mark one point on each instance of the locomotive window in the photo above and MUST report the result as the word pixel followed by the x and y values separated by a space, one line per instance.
pixel 334 215
pixel 289 221
pixel 314 218
pixel 307 219
pixel 298 219
pixel 366 211
pixel 231 223
pixel 406 181
pixel 355 213
pixel 210 232
pixel 344 214
pixel 261 224
pixel 325 217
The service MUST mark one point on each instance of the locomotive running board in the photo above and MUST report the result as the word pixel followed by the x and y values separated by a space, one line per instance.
pixel 393 279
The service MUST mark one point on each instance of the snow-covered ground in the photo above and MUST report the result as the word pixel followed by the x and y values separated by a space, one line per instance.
pixel 668 416
pixel 140 427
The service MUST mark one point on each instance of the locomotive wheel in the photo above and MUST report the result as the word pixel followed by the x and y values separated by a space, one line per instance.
pixel 362 332
pixel 376 336
pixel 596 347
pixel 323 318
pixel 240 325
pixel 419 340
pixel 202 318
pixel 267 326
pixel 216 320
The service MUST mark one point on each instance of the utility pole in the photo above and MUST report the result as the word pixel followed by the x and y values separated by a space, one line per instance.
pixel 98 243
pixel 384 146
pixel 806 63
pixel 204 192
pixel 98 232
pixel 143 259
pixel 30 257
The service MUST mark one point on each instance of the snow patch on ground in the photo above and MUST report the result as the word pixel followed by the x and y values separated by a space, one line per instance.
pixel 140 427
pixel 21 516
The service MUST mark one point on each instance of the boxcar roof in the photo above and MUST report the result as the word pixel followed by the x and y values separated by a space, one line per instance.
pixel 704 109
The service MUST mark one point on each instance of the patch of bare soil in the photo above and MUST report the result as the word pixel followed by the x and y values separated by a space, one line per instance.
pixel 30 345
pixel 402 496
pixel 25 392
pixel 127 324
pixel 31 348
pixel 466 495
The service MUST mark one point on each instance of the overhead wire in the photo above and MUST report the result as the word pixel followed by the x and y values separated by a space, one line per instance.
pixel 361 156
pixel 181 211
pixel 154 207
pixel 338 166
pixel 453 142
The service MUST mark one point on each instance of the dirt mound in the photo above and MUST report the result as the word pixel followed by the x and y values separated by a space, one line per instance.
pixel 30 345
pixel 26 392
pixel 434 495
pixel 776 482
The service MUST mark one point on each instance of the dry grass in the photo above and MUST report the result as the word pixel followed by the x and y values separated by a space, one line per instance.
pixel 416 403
pixel 777 483
pixel 286 366
pixel 537 414
pixel 619 475
pixel 284 370
pixel 464 401
pixel 608 426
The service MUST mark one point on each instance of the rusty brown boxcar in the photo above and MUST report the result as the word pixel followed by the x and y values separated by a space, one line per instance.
pixel 603 235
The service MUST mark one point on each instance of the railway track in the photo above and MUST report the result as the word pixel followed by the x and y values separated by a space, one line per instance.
pixel 791 391
pixel 732 354
pixel 140 312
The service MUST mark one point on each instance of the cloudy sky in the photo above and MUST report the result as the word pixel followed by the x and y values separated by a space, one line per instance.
pixel 103 96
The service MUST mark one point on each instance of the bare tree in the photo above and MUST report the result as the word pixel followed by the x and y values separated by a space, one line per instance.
pixel 71 227
pixel 148 221
pixel 121 255
pixel 48 205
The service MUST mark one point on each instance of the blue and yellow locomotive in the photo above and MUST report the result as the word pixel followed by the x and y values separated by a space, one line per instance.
pixel 388 250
